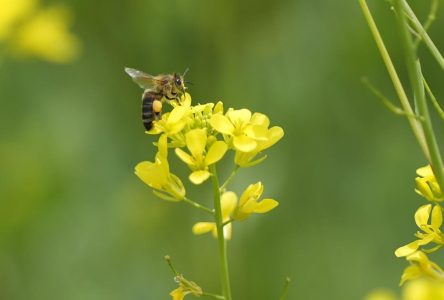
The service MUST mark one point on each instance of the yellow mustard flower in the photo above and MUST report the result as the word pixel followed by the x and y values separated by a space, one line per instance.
pixel 424 289
pixel 45 35
pixel 272 136
pixel 185 287
pixel 426 184
pixel 157 175
pixel 11 13
pixel 228 204
pixel 431 232
pixel 249 204
pixel 200 159
pixel 236 124
pixel 421 266
pixel 172 122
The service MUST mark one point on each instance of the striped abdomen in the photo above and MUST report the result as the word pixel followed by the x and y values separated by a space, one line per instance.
pixel 148 115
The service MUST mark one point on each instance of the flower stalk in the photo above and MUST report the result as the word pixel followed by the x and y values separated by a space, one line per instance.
pixel 416 79
pixel 222 244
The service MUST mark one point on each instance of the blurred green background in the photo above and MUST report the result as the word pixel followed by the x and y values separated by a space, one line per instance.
pixel 76 223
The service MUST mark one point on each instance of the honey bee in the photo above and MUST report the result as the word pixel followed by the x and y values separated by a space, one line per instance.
pixel 156 90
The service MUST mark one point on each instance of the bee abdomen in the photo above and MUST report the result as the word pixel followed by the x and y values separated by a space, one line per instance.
pixel 148 115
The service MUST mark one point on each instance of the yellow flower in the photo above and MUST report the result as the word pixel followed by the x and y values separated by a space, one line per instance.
pixel 157 175
pixel 200 159
pixel 271 136
pixel 228 204
pixel 45 35
pixel 171 123
pixel 431 232
pixel 424 290
pixel 249 203
pixel 12 12
pixel 185 287
pixel 421 266
pixel 237 125
pixel 426 184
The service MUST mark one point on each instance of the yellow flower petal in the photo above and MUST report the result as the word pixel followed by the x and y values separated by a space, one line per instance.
pixel 151 174
pixel 197 177
pixel 222 124
pixel 218 108
pixel 425 171
pixel 274 135
pixel 423 188
pixel 185 157
pixel 196 140
pixel 253 191
pixel 185 100
pixel 203 227
pixel 228 202
pixel 257 132
pixel 216 152
pixel 179 293
pixel 411 272
pixel 422 215
pixel 436 217
pixel 177 114
pixel 239 116
pixel 244 143
pixel 265 206
pixel 407 249
pixel 260 119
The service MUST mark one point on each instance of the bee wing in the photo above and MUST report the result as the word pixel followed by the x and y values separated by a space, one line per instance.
pixel 144 80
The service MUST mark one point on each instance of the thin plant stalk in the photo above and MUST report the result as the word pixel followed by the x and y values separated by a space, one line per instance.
pixel 422 32
pixel 416 79
pixel 222 245
pixel 414 124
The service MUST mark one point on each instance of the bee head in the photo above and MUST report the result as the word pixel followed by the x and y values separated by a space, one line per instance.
pixel 179 82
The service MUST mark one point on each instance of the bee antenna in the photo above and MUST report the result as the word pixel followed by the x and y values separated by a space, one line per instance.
pixel 185 72
pixel 188 82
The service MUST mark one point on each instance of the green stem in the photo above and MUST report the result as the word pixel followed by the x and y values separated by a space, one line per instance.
pixel 214 296
pixel 416 79
pixel 404 6
pixel 286 286
pixel 170 264
pixel 434 101
pixel 233 173
pixel 224 275
pixel 414 124
pixel 430 18
pixel 227 222
pixel 199 206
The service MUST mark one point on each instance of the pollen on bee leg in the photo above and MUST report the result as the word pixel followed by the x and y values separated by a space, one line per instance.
pixel 157 106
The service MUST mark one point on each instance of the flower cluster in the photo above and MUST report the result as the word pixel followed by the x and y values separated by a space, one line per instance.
pixel 201 136
pixel 29 30
pixel 429 220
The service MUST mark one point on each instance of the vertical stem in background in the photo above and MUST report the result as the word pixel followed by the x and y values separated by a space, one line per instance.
pixel 416 79
pixel 414 124
pixel 224 275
